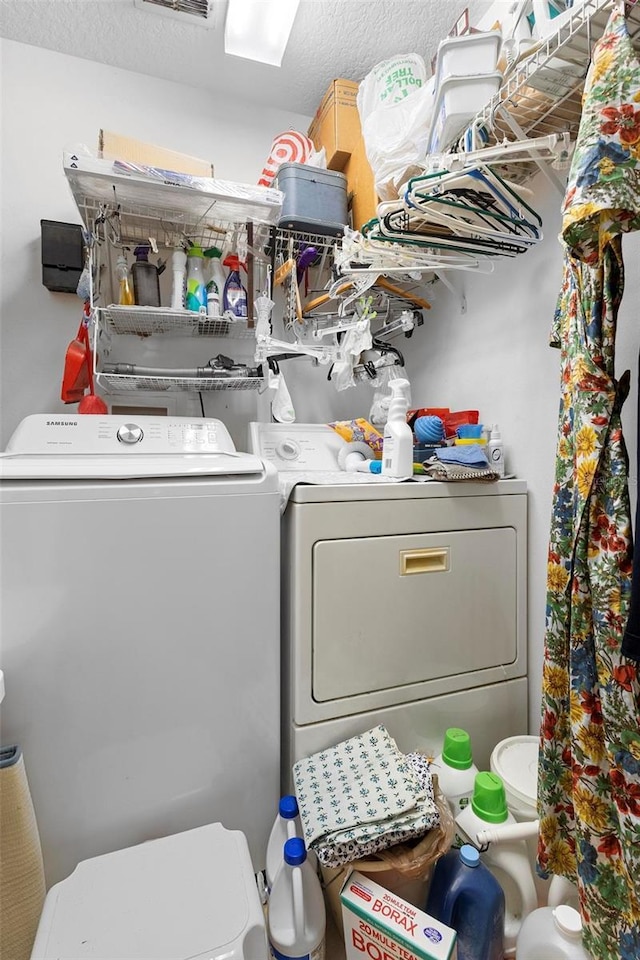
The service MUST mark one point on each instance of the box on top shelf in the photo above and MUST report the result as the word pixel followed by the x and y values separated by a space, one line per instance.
pixel 473 53
pixel 114 146
pixel 336 124
pixel 361 187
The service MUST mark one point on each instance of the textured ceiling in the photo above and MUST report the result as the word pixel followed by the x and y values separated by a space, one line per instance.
pixel 330 38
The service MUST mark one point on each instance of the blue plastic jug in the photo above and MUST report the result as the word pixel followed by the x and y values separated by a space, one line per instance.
pixel 465 895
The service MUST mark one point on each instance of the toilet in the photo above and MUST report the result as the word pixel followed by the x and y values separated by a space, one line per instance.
pixel 190 895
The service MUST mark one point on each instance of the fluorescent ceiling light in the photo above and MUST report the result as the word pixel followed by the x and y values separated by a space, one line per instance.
pixel 259 29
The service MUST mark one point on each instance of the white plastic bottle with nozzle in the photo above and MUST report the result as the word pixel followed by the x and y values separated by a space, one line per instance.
pixel 178 268
pixel 507 859
pixel 495 451
pixel 285 827
pixel 397 444
pixel 552 934
pixel 296 916
pixel 456 770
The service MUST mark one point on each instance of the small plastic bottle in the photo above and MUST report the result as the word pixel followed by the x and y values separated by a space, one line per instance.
pixel 285 827
pixel 397 444
pixel 215 286
pixel 178 267
pixel 551 934
pixel 125 296
pixel 465 895
pixel 196 295
pixel 455 769
pixel 495 451
pixel 296 915
pixel 234 295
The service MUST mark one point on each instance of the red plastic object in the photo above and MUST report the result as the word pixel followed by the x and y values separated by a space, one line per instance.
pixel 453 420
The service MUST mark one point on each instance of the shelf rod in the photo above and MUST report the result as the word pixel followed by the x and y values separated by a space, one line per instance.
pixel 544 168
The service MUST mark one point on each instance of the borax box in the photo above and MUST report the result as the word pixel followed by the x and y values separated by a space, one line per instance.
pixel 378 925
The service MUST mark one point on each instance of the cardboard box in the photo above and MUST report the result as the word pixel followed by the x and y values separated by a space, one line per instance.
pixel 113 146
pixel 378 925
pixel 361 186
pixel 336 125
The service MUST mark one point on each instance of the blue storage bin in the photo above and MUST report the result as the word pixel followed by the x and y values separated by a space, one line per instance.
pixel 315 200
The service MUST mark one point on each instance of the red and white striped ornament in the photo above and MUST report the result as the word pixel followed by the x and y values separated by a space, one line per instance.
pixel 288 147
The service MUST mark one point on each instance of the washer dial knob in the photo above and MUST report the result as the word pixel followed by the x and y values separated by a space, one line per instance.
pixel 130 433
pixel 288 449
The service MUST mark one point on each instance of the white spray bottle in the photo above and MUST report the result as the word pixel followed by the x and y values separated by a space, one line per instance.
pixel 397 445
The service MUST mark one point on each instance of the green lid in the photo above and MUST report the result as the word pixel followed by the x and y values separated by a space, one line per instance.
pixel 195 251
pixel 456 751
pixel 213 253
pixel 489 800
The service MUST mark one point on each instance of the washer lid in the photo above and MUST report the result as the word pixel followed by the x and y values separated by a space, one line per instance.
pixel 190 895
pixel 72 447
pixel 515 760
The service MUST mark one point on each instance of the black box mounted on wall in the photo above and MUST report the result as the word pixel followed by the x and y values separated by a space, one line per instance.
pixel 62 255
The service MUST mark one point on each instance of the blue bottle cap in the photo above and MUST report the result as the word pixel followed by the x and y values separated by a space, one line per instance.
pixel 295 852
pixel 288 807
pixel 469 855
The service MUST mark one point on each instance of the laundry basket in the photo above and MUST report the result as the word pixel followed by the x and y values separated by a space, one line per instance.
pixel 404 869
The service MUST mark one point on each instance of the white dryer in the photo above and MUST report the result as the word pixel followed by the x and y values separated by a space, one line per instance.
pixel 140 631
pixel 403 603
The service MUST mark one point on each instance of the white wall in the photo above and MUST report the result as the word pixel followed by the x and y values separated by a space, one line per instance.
pixel 495 357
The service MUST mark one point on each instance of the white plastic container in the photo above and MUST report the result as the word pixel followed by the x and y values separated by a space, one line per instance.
pixel 495 451
pixel 552 934
pixel 508 860
pixel 458 100
pixel 178 269
pixel 285 826
pixel 469 55
pixel 296 916
pixel 455 769
pixel 397 444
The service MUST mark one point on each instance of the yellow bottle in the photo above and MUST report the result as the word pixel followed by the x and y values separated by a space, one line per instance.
pixel 126 293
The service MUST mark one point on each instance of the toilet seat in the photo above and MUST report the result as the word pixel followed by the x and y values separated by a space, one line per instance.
pixel 191 895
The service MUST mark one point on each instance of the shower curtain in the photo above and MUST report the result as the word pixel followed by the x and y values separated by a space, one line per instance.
pixel 589 769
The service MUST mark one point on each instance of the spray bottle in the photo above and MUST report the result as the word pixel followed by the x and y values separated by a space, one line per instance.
pixel 215 286
pixel 234 298
pixel 397 445
pixel 495 451
pixel 146 285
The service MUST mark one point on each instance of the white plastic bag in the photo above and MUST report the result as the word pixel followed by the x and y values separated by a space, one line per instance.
pixel 395 103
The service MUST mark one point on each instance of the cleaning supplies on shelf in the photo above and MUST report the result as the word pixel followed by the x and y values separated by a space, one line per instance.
pixel 296 916
pixel 125 294
pixel 495 451
pixel 285 826
pixel 507 859
pixel 146 283
pixel 196 296
pixel 397 445
pixel 234 299
pixel 178 267
pixel 466 896
pixel 455 769
pixel 216 282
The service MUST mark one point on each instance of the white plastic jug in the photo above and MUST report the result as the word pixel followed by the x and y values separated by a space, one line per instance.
pixel 508 860
pixel 552 934
pixel 296 916
pixel 285 827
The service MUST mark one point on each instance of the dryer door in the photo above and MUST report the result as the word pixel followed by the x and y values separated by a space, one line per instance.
pixel 397 610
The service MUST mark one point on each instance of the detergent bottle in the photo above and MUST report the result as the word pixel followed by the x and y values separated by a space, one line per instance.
pixel 196 295
pixel 552 934
pixel 285 827
pixel 397 444
pixel 507 859
pixel 215 286
pixel 234 298
pixel 465 895
pixel 125 296
pixel 296 916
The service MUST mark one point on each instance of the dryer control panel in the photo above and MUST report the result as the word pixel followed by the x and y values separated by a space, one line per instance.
pixel 297 446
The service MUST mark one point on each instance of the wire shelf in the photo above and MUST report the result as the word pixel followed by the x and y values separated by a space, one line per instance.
pixel 121 383
pixel 289 243
pixel 151 321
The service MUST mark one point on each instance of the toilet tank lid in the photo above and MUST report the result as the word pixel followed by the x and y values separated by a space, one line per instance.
pixel 189 895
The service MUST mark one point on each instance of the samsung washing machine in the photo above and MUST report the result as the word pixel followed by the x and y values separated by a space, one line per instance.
pixel 403 603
